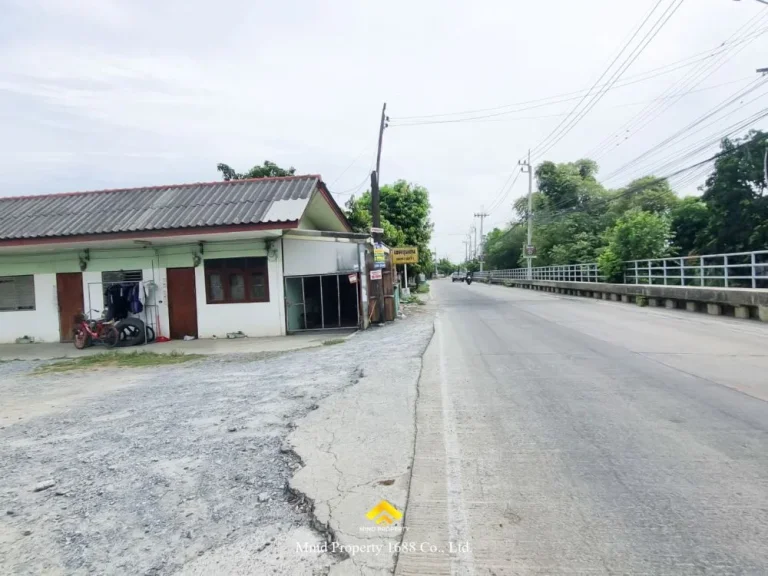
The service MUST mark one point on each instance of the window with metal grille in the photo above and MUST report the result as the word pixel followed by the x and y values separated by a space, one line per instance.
pixel 121 276
pixel 17 293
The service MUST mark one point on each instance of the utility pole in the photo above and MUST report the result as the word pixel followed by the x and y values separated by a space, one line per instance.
pixel 381 136
pixel 482 215
pixel 764 72
pixel 376 211
pixel 466 250
pixel 526 167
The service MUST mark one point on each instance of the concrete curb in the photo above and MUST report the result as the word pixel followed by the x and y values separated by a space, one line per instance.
pixel 744 303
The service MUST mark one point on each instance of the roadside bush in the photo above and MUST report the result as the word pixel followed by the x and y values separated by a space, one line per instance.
pixel 611 266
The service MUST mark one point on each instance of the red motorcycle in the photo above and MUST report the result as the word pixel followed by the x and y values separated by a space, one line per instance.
pixel 88 332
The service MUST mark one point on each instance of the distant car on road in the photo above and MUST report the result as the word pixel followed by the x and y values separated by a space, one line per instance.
pixel 458 277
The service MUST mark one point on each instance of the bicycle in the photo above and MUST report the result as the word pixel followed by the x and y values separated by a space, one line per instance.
pixel 88 332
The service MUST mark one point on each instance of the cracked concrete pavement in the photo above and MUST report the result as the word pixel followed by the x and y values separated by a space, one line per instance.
pixel 183 470
pixel 357 450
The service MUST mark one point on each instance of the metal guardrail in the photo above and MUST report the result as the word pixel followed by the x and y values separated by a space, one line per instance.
pixel 567 273
pixel 733 270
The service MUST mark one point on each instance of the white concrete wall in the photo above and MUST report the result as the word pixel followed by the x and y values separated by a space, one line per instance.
pixel 255 319
pixel 319 256
pixel 159 297
pixel 42 323
pixel 93 294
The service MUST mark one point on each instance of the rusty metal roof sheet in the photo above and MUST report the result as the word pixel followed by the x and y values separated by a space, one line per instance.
pixel 157 208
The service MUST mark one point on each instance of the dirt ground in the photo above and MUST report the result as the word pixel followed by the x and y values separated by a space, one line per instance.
pixel 154 470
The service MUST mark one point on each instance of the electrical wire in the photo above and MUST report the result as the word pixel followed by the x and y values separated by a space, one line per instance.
pixel 629 80
pixel 709 141
pixel 566 126
pixel 705 146
pixel 557 134
pixel 503 198
pixel 360 155
pixel 716 110
pixel 355 189
pixel 485 119
pixel 551 217
pixel 682 87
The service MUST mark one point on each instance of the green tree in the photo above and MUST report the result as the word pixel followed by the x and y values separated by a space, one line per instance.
pixel 266 170
pixel 567 185
pixel 735 194
pixel 504 248
pixel 405 211
pixel 689 220
pixel 637 235
pixel 648 194
pixel 445 266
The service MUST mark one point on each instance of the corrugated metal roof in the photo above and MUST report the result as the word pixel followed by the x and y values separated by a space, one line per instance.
pixel 157 208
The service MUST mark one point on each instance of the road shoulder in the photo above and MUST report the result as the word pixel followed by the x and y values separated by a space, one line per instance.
pixel 357 450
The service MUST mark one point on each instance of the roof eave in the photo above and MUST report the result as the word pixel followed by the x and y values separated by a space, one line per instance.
pixel 146 234
pixel 334 206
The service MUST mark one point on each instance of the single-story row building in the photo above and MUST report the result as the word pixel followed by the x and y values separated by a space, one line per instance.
pixel 261 257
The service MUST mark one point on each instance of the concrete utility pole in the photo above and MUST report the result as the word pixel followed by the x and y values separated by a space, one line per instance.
pixel 526 167
pixel 474 253
pixel 764 71
pixel 482 215
pixel 376 209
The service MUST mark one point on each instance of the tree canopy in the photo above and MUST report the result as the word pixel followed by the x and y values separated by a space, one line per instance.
pixel 405 211
pixel 577 220
pixel 266 170
pixel 445 266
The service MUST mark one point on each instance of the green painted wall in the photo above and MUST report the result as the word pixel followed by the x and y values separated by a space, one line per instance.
pixel 124 258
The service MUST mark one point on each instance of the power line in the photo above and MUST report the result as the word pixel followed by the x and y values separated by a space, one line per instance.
pixel 723 105
pixel 629 80
pixel 495 117
pixel 557 134
pixel 566 126
pixel 502 197
pixel 710 141
pixel 552 217
pixel 360 155
pixel 682 86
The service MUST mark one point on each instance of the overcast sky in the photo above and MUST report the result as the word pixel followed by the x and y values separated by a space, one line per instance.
pixel 110 93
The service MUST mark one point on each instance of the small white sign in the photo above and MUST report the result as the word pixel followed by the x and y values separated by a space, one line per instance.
pixel 375 274
pixel 377 230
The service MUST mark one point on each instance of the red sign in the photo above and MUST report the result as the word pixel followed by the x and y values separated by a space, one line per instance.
pixel 352 278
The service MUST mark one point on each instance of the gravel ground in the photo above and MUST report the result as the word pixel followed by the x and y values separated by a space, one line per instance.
pixel 143 471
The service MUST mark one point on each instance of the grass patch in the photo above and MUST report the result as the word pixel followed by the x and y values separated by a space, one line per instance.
pixel 641 301
pixel 422 288
pixel 333 341
pixel 134 359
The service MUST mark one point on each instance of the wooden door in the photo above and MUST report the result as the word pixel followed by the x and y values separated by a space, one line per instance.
pixel 182 302
pixel 69 293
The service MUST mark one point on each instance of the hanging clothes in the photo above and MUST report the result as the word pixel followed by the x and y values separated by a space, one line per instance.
pixel 116 304
pixel 133 292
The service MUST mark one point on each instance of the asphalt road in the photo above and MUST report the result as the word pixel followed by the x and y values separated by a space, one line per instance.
pixel 563 435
